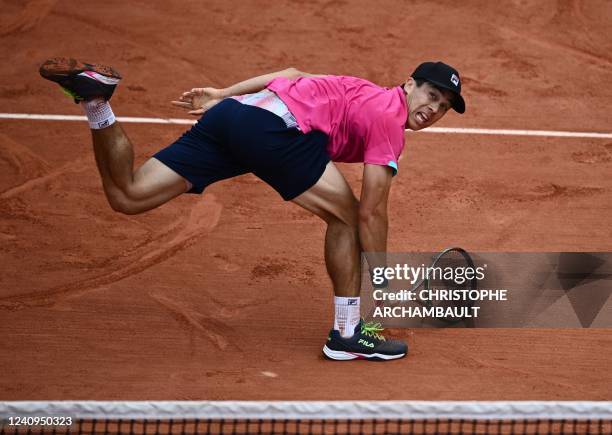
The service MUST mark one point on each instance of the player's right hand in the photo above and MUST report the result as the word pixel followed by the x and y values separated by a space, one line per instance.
pixel 199 100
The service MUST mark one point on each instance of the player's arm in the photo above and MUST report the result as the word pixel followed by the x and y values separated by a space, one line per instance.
pixel 258 83
pixel 373 221
pixel 198 100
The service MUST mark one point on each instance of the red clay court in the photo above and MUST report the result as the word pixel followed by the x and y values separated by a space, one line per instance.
pixel 225 296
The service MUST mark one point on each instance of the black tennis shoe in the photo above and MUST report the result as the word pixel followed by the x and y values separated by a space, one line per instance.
pixel 366 343
pixel 81 81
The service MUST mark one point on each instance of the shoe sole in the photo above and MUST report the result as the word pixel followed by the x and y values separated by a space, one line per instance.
pixel 60 68
pixel 339 355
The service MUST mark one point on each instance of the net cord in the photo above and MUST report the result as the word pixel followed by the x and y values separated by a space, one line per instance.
pixel 315 410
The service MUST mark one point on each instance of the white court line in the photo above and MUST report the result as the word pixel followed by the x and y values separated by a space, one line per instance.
pixel 478 131
pixel 504 132
pixel 30 116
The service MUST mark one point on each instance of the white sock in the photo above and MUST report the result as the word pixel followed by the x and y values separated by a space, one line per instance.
pixel 347 315
pixel 99 113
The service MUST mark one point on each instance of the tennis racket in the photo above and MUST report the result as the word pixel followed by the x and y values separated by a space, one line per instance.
pixel 457 260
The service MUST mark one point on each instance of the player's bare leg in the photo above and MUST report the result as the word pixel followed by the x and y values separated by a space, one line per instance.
pixel 332 199
pixel 127 191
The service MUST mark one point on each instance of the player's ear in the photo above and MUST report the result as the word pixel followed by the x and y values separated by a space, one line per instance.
pixel 409 85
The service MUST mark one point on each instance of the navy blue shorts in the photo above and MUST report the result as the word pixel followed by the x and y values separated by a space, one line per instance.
pixel 232 139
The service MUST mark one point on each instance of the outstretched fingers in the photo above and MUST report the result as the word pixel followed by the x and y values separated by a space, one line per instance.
pixel 182 104
pixel 197 100
pixel 185 100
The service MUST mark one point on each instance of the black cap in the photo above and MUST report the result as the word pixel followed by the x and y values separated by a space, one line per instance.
pixel 443 76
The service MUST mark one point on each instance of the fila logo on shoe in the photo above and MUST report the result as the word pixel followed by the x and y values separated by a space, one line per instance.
pixel 365 343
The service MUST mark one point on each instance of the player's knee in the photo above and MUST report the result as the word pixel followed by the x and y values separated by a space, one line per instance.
pixel 347 220
pixel 124 205
pixel 348 213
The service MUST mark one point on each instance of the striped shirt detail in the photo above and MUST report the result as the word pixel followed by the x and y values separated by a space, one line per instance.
pixel 269 101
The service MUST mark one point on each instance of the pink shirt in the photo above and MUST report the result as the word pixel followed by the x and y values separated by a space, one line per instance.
pixel 364 122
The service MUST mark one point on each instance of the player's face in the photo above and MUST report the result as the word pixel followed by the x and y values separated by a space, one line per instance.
pixel 426 104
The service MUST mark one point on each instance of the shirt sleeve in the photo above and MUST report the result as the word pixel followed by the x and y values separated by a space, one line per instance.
pixel 383 144
pixel 277 83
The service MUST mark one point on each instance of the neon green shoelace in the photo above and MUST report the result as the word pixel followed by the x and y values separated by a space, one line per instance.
pixel 71 94
pixel 373 330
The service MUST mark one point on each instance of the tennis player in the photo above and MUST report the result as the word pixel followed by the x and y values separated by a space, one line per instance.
pixel 288 128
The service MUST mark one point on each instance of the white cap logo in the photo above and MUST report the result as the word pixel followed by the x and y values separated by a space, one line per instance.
pixel 455 80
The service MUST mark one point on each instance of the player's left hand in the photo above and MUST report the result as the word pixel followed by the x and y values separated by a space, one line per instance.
pixel 199 100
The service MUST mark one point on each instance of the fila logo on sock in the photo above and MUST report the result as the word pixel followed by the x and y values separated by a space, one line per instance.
pixel 103 124
pixel 352 302
pixel 455 80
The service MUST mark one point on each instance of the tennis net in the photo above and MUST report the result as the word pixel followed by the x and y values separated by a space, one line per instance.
pixel 309 417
